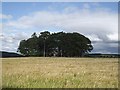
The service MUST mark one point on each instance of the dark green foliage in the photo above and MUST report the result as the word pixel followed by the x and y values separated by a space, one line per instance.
pixel 56 44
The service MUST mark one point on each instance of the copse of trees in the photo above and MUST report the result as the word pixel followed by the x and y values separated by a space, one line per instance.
pixel 59 44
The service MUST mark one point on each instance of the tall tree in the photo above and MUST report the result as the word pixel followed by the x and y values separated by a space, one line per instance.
pixel 56 44
pixel 29 47
pixel 44 36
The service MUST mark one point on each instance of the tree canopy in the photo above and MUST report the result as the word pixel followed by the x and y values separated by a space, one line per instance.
pixel 59 44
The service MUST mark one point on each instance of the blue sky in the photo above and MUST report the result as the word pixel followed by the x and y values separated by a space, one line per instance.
pixel 22 8
pixel 96 20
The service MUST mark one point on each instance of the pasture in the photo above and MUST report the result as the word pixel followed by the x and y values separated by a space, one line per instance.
pixel 50 72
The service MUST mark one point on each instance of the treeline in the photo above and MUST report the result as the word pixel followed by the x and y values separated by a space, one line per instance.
pixel 59 44
pixel 4 54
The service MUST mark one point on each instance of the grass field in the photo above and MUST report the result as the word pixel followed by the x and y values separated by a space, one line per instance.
pixel 38 72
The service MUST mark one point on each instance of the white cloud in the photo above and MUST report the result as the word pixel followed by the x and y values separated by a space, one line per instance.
pixel 10 42
pixel 113 37
pixel 0 27
pixel 93 38
pixel 70 9
pixel 86 6
pixel 3 16
pixel 83 22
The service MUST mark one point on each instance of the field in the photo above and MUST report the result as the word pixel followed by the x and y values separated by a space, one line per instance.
pixel 39 72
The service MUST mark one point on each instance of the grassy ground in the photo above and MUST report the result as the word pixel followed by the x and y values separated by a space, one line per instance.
pixel 36 72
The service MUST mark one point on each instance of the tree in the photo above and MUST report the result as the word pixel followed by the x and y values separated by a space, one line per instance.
pixel 56 44
pixel 23 49
pixel 29 47
pixel 34 35
pixel 44 36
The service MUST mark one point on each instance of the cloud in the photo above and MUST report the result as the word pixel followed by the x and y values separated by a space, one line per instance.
pixel 113 36
pixel 105 47
pixel 103 24
pixel 10 42
pixel 100 25
pixel 3 16
pixel 86 5
pixel 0 27
pixel 94 38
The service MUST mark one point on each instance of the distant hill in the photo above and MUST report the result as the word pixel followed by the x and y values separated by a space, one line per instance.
pixel 9 54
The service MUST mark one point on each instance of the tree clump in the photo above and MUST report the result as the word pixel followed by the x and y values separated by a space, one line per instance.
pixel 59 44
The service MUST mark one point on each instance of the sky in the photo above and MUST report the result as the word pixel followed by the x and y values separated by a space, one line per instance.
pixel 96 20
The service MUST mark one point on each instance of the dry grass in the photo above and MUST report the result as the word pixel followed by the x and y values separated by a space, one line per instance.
pixel 37 72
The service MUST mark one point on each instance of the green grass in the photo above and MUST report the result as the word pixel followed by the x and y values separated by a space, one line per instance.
pixel 38 72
